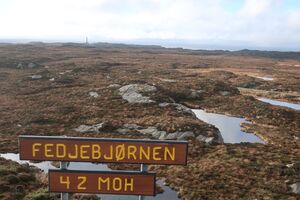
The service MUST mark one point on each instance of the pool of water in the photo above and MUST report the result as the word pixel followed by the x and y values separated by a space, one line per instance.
pixel 46 165
pixel 280 103
pixel 229 127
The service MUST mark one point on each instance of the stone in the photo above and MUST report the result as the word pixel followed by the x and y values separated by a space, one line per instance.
pixel 151 130
pixel 295 187
pixel 114 86
pixel 94 94
pixel 132 126
pixel 207 140
pixel 32 65
pixel 224 93
pixel 20 66
pixel 137 88
pixel 180 108
pixel 87 129
pixel 131 93
pixel 172 136
pixel 36 77
pixel 185 135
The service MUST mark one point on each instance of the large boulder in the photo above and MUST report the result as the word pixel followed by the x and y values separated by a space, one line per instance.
pixel 89 128
pixel 132 93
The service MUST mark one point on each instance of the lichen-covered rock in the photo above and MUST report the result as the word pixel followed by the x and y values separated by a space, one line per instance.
pixel 180 135
pixel 87 129
pixel 32 65
pixel 131 93
pixel 207 140
pixel 153 131
pixel 180 108
pixel 36 77
pixel 94 94
pixel 114 86
pixel 295 187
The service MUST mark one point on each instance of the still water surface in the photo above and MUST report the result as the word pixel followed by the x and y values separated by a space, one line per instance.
pixel 229 127
pixel 280 103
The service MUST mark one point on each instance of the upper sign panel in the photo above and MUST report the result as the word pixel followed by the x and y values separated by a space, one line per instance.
pixel 103 150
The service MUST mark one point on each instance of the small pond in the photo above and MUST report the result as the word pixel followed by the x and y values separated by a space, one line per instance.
pixel 229 127
pixel 46 165
pixel 280 103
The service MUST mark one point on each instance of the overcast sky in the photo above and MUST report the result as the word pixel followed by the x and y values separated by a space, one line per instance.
pixel 261 23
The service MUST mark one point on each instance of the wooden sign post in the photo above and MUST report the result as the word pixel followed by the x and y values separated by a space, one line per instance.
pixel 102 150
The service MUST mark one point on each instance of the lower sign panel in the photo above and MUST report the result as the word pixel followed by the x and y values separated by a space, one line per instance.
pixel 127 183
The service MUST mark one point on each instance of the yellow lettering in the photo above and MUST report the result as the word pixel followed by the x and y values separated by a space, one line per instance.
pixel 61 151
pixel 84 151
pixel 120 152
pixel 48 150
pixel 67 181
pixel 143 153
pixel 75 155
pixel 107 181
pixel 131 152
pixel 128 184
pixel 96 151
pixel 117 184
pixel 83 180
pixel 111 154
pixel 34 148
pixel 168 153
pixel 156 153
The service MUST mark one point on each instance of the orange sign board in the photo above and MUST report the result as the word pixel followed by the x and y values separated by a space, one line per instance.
pixel 125 183
pixel 103 150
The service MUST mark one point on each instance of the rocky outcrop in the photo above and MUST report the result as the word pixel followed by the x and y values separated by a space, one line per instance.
pixel 132 93
pixel 36 77
pixel 94 94
pixel 89 128
pixel 114 86
pixel 295 187
pixel 162 135
pixel 180 108
pixel 207 140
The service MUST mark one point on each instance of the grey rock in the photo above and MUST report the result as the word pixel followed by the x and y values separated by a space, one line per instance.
pixel 87 129
pixel 123 130
pixel 94 94
pixel 194 95
pixel 151 130
pixel 32 65
pixel 114 86
pixel 295 187
pixel 183 109
pixel 180 135
pixel 207 140
pixel 36 77
pixel 172 136
pixel 163 104
pixel 137 88
pixel 131 93
pixel 20 66
pixel 185 135
pixel 162 135
pixel 132 126
pixel 224 93
pixel 180 108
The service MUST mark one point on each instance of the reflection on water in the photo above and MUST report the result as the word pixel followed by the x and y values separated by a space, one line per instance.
pixel 46 165
pixel 280 103
pixel 229 127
